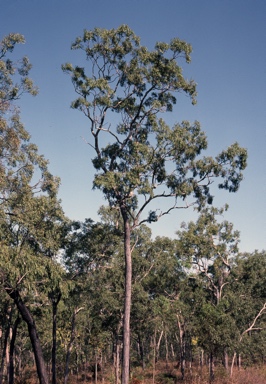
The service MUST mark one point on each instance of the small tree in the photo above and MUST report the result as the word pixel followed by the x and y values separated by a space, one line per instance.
pixel 210 246
pixel 139 158
pixel 249 305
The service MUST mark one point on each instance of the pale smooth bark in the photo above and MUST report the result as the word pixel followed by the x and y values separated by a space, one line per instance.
pixel 127 300
pixel 12 350
pixel 71 342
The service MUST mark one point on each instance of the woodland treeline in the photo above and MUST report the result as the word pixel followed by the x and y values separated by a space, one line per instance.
pixel 98 299
pixel 184 309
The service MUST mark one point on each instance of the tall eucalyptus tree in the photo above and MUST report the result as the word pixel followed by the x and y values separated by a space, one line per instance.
pixel 123 90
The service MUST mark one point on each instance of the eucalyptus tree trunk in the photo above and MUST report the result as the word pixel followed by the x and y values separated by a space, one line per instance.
pixel 117 361
pixel 96 368
pixel 166 350
pixel 141 350
pixel 55 302
pixel 116 352
pixel 211 368
pixel 158 346
pixel 225 360
pixel 239 361
pixel 34 338
pixel 181 345
pixel 5 348
pixel 71 342
pixel 232 364
pixel 154 358
pixel 127 299
pixel 12 349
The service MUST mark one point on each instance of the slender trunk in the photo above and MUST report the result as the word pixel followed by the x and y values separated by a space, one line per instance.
pixel 172 351
pixel 55 303
pixel 54 345
pixel 127 300
pixel 117 362
pixel 239 361
pixel 116 352
pixel 158 346
pixel 166 350
pixel 141 351
pixel 154 358
pixel 19 362
pixel 102 362
pixel 201 358
pixel 70 344
pixel 4 354
pixel 225 362
pixel 5 344
pixel 189 346
pixel 96 368
pixel 232 364
pixel 34 338
pixel 12 349
pixel 7 356
pixel 182 346
pixel 211 369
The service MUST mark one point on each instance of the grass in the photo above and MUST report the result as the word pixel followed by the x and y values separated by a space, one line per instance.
pixel 165 374
pixel 170 375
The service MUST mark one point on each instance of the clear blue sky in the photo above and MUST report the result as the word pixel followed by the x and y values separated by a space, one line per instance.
pixel 228 63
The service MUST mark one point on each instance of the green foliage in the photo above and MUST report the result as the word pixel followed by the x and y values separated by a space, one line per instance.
pixel 207 240
pixel 11 88
pixel 145 159
pixel 31 216
pixel 196 291
pixel 248 275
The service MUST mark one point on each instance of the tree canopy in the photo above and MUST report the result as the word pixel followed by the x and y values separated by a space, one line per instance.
pixel 137 153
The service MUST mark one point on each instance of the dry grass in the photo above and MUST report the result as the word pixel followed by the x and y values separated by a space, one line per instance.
pixel 166 374
pixel 170 375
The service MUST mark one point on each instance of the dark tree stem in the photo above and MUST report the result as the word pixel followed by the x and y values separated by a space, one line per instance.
pixel 34 338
